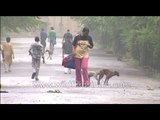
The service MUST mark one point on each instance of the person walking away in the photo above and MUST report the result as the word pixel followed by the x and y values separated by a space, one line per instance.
pixel 43 37
pixel 36 51
pixel 67 35
pixel 67 48
pixel 7 54
pixel 81 44
pixel 52 39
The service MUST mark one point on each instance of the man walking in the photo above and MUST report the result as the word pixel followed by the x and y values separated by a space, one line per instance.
pixel 36 51
pixel 52 39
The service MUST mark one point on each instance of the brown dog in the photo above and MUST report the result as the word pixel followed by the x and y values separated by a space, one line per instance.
pixel 100 74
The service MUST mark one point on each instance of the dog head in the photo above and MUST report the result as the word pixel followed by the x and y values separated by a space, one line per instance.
pixel 116 73
pixel 91 73
pixel 49 52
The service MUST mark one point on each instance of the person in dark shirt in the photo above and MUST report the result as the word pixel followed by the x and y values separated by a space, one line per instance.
pixel 43 37
pixel 67 35
pixel 81 45
pixel 67 48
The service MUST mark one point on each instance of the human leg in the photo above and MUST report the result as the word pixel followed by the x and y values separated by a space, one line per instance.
pixel 6 67
pixel 85 72
pixel 37 68
pixel 78 72
pixel 33 68
pixel 9 67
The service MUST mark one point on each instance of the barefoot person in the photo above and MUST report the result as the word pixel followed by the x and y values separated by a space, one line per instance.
pixel 43 37
pixel 52 39
pixel 36 51
pixel 7 54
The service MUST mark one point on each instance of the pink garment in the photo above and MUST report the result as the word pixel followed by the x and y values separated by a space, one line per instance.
pixel 81 66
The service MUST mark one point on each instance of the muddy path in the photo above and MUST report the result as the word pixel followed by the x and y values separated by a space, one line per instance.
pixel 131 87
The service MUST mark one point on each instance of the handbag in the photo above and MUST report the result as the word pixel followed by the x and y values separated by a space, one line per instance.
pixel 69 62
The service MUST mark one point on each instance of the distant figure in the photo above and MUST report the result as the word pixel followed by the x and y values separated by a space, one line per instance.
pixel 7 55
pixel 43 37
pixel 67 48
pixel 52 39
pixel 67 35
pixel 36 51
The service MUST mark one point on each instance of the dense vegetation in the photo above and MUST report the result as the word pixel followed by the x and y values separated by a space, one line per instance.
pixel 137 37
pixel 16 23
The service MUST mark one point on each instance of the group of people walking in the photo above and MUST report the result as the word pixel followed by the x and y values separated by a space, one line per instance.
pixel 78 46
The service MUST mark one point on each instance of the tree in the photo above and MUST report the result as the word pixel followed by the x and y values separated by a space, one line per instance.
pixel 138 37
pixel 17 23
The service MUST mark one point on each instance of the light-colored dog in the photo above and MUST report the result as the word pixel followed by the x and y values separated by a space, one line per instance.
pixel 50 53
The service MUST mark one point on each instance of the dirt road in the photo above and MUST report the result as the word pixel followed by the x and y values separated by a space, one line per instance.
pixel 131 87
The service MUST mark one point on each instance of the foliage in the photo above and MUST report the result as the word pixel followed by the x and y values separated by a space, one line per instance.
pixel 138 36
pixel 17 23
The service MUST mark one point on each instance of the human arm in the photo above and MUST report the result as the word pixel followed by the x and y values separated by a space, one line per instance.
pixel 30 53
pixel 2 52
pixel 55 36
pixel 12 51
pixel 74 44
pixel 63 40
pixel 48 36
pixel 90 43
pixel 71 37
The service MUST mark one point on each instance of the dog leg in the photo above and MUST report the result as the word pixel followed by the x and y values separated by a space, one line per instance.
pixel 99 79
pixel 106 81
pixel 98 82
pixel 88 77
pixel 50 57
pixel 43 60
